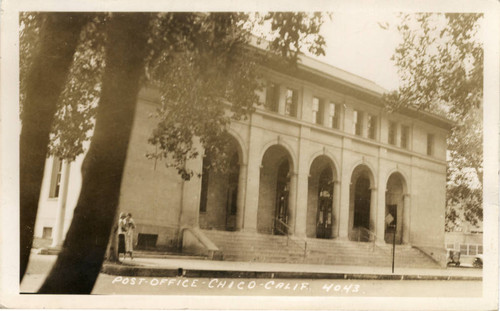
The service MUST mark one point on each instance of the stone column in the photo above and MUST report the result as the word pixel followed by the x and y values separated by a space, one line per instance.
pixel 380 226
pixel 57 239
pixel 301 208
pixel 292 202
pixel 336 208
pixel 191 192
pixel 373 210
pixel 251 203
pixel 406 218
pixel 242 185
pixel 302 177
pixel 344 209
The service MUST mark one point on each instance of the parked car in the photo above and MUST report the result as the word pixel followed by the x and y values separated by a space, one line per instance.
pixel 453 258
pixel 475 261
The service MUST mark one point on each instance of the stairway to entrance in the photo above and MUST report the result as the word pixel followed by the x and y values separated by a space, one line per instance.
pixel 242 246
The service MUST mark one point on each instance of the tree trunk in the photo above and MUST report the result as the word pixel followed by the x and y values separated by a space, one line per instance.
pixel 82 254
pixel 44 84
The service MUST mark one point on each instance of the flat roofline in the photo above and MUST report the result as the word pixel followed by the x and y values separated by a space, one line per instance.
pixel 356 83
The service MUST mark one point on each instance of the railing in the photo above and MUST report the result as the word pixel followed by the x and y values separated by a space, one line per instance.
pixel 288 238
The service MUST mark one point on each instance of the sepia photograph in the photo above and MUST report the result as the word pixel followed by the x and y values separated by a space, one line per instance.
pixel 315 156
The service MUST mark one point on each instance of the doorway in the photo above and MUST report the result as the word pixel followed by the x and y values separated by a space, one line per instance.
pixel 324 219
pixel 282 191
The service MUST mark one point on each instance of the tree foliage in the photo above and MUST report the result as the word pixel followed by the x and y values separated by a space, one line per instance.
pixel 202 65
pixel 440 64
pixel 74 119
pixel 208 75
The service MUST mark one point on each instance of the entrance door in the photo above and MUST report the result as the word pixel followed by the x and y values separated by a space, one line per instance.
pixel 231 208
pixel 324 219
pixel 281 211
pixel 391 216
pixel 361 221
pixel 232 193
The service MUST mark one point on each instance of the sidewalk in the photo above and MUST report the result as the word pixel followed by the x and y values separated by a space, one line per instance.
pixel 163 267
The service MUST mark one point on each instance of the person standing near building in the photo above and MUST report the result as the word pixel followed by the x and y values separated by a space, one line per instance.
pixel 129 235
pixel 122 230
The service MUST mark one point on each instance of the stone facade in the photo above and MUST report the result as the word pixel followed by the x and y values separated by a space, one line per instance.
pixel 320 158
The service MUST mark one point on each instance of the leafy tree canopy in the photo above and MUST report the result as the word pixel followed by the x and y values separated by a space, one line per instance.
pixel 440 64
pixel 74 118
pixel 208 74
pixel 203 65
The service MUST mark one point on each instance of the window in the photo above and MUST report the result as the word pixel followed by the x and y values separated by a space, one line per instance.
pixel 272 97
pixel 146 241
pixel 47 233
pixel 358 122
pixel 405 134
pixel 291 103
pixel 463 249
pixel 450 246
pixel 430 144
pixel 333 120
pixel 479 249
pixel 55 182
pixel 392 133
pixel 317 109
pixel 372 126
pixel 472 249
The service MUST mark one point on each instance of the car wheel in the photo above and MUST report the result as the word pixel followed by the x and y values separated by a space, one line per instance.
pixel 477 264
pixel 457 264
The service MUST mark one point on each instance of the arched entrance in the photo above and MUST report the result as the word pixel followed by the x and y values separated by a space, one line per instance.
pixel 320 210
pixel 360 205
pixel 274 190
pixel 395 211
pixel 219 191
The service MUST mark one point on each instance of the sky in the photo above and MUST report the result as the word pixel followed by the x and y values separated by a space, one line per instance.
pixel 356 43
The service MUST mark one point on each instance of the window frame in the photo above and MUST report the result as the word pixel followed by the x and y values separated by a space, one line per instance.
pixel 392 128
pixel 272 97
pixel 405 137
pixel 334 117
pixel 291 102
pixel 430 144
pixel 372 122
pixel 357 122
pixel 315 107
pixel 55 178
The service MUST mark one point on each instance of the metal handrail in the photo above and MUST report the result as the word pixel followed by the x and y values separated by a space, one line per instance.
pixel 372 234
pixel 288 236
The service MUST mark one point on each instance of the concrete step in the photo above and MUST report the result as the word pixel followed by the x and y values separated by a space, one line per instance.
pixel 168 255
pixel 241 246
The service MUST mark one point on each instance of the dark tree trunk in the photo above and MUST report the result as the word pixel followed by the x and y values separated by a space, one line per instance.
pixel 81 257
pixel 44 84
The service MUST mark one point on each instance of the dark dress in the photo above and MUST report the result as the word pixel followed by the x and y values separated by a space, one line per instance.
pixel 121 236
pixel 121 243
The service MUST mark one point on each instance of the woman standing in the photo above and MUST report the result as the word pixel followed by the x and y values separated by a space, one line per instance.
pixel 122 230
pixel 129 235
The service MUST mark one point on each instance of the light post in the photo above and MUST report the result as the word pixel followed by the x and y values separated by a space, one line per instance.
pixel 393 244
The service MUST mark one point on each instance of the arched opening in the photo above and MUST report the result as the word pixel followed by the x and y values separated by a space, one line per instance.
pixel 320 209
pixel 219 191
pixel 273 213
pixel 395 211
pixel 360 210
